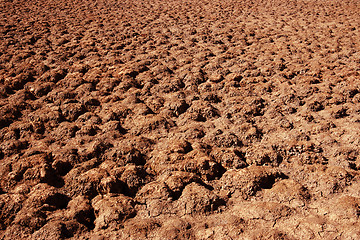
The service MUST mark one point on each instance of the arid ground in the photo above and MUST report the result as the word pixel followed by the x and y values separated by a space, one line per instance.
pixel 179 119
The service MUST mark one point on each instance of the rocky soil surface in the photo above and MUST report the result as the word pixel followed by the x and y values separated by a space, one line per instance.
pixel 179 119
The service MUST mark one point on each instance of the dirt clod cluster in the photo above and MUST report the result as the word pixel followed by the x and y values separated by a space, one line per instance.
pixel 179 119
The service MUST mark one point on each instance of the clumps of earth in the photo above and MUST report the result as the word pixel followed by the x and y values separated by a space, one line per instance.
pixel 149 119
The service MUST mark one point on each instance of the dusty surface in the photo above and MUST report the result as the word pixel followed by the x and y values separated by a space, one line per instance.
pixel 149 119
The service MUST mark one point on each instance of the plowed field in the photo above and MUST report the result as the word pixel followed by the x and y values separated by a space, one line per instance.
pixel 179 119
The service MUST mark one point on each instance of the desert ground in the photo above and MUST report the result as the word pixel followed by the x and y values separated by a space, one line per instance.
pixel 179 119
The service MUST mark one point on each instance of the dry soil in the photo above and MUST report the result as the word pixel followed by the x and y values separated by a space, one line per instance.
pixel 179 119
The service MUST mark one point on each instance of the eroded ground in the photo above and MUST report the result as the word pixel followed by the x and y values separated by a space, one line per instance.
pixel 209 119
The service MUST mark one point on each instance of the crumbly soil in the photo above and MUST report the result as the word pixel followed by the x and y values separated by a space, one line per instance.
pixel 179 119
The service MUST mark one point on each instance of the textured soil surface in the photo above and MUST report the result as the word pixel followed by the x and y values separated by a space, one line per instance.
pixel 179 119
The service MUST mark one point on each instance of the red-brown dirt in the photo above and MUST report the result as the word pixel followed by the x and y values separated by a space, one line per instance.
pixel 179 119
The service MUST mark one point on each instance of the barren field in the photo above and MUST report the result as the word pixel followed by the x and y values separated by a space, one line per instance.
pixel 179 119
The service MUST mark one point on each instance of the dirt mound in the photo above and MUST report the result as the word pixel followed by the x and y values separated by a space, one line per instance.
pixel 147 119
